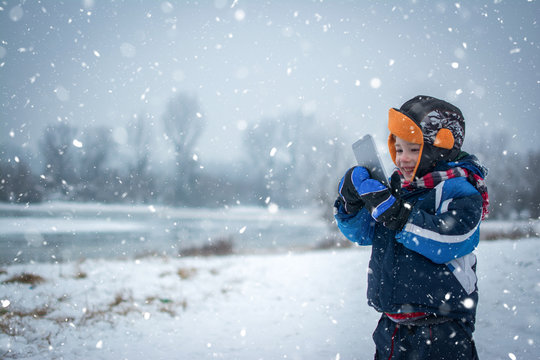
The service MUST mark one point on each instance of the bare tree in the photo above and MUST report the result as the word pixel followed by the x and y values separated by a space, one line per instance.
pixel 94 180
pixel 532 191
pixel 290 157
pixel 512 181
pixel 260 140
pixel 141 183
pixel 183 123
pixel 17 182
pixel 56 148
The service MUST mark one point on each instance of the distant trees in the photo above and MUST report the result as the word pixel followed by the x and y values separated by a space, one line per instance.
pixel 183 124
pixel 94 175
pixel 89 165
pixel 514 185
pixel 531 193
pixel 75 164
pixel 56 148
pixel 513 182
pixel 262 143
pixel 288 159
pixel 17 182
pixel 139 177
pixel 291 160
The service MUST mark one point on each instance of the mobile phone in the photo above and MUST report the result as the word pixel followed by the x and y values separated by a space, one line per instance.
pixel 367 156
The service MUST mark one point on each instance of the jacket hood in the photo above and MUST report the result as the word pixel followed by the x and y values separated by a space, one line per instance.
pixel 438 126
pixel 466 161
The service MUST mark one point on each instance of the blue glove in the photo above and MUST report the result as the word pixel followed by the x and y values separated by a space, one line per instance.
pixel 384 207
pixel 351 200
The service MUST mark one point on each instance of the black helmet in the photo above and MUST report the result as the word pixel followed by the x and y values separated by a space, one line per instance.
pixel 438 126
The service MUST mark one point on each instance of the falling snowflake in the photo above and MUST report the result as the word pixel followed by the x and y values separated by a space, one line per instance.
pixel 16 13
pixel 375 83
pixel 468 303
pixel 239 15
pixel 273 208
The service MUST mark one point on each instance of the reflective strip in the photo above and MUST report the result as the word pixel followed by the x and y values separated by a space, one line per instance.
pixel 462 268
pixel 445 204
pixel 385 205
pixel 435 236
pixel 438 194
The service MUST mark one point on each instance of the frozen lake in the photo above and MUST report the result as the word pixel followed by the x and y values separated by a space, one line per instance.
pixel 65 231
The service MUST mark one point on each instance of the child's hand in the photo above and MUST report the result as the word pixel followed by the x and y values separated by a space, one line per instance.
pixel 384 207
pixel 347 188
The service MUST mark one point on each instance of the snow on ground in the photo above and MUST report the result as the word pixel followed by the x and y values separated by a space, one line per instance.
pixel 307 305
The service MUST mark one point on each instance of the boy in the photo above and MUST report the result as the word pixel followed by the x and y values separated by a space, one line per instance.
pixel 423 230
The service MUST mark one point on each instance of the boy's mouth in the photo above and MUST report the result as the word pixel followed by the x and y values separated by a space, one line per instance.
pixel 407 170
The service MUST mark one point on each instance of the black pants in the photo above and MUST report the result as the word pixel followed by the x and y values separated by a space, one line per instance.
pixel 445 341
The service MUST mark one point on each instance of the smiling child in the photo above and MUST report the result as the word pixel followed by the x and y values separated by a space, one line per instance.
pixel 423 231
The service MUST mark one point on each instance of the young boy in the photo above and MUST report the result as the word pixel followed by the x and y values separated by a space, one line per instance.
pixel 423 230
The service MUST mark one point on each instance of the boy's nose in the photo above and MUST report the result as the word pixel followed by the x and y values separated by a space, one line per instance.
pixel 405 157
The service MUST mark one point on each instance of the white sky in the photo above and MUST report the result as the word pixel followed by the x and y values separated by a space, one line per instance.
pixel 346 62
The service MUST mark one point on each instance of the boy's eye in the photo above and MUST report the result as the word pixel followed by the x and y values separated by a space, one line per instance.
pixel 399 151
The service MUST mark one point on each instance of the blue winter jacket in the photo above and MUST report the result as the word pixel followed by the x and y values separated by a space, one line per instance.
pixel 428 266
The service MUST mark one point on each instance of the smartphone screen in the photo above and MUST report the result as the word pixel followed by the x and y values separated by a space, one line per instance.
pixel 367 156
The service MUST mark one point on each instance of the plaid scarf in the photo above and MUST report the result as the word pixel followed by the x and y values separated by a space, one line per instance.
pixel 432 179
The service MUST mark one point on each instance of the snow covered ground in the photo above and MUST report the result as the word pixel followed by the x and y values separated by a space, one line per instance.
pixel 308 305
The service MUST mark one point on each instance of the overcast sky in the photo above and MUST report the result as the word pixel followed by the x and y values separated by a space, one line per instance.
pixel 345 62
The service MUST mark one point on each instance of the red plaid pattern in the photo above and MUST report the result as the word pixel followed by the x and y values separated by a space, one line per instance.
pixel 429 181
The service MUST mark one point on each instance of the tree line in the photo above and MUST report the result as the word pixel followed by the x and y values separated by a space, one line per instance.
pixel 290 161
pixel 287 163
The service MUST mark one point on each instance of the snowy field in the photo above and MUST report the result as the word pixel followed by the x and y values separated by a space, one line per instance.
pixel 305 305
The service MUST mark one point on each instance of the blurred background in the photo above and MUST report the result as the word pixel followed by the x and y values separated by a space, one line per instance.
pixel 227 103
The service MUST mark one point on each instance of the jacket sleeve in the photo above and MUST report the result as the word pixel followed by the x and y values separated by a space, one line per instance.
pixel 453 231
pixel 358 227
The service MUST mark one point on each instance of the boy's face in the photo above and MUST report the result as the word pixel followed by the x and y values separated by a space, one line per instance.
pixel 406 157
